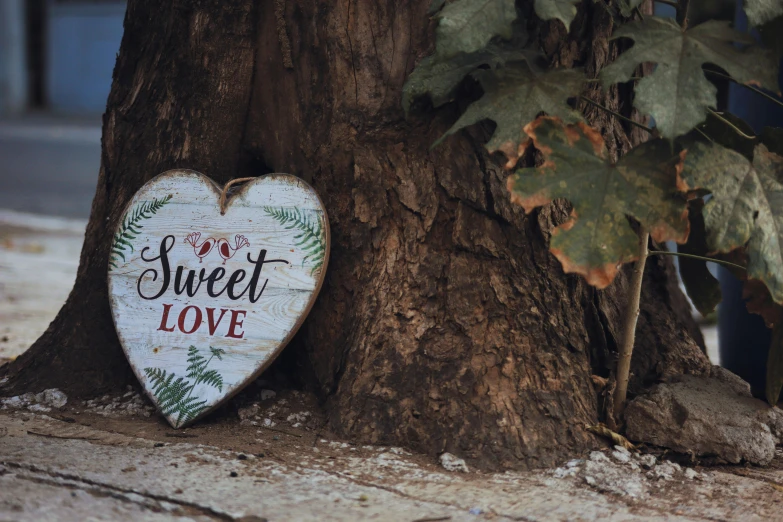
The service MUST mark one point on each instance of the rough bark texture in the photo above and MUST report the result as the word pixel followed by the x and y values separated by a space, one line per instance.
pixel 444 323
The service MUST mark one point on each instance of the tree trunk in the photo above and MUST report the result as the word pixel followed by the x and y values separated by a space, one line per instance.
pixel 444 323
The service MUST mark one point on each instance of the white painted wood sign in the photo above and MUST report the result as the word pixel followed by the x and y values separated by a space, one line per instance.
pixel 204 300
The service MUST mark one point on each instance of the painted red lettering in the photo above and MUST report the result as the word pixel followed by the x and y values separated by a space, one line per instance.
pixel 197 320
pixel 165 319
pixel 236 323
pixel 211 319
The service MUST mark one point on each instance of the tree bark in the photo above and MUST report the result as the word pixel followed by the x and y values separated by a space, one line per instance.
pixel 444 323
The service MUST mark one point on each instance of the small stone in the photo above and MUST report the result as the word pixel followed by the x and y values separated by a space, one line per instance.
pixel 268 394
pixel 691 474
pixel 241 456
pixel 647 461
pixel 158 445
pixel 597 456
pixel 665 470
pixel 619 456
pixel 590 481
pixel 453 463
pixel 233 474
pixel 475 511
pixel 574 463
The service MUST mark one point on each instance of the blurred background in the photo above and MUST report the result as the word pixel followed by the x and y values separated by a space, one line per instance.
pixel 56 62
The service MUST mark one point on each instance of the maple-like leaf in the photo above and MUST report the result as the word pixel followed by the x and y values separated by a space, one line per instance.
pixel 762 11
pixel 563 10
pixel 440 77
pixel 746 206
pixel 677 94
pixel 598 237
pixel 467 26
pixel 513 97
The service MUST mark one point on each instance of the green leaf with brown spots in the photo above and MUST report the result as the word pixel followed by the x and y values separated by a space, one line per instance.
pixel 762 11
pixel 440 77
pixel 678 94
pixel 598 237
pixel 563 10
pixel 746 208
pixel 467 26
pixel 514 96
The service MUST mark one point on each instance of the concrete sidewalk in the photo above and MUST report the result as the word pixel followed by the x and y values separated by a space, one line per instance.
pixel 56 470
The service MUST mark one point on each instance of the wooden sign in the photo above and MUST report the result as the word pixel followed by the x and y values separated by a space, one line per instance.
pixel 205 290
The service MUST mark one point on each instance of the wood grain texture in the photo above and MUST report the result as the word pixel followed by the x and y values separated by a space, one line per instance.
pixel 176 218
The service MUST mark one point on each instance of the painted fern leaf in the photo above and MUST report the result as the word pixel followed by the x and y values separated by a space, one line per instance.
pixel 174 395
pixel 131 228
pixel 310 235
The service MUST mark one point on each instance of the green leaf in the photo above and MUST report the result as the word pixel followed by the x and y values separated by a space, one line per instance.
pixel 513 97
pixel 467 26
pixel 440 77
pixel 563 10
pixel 775 365
pixel 598 237
pixel 677 94
pixel 627 6
pixel 702 287
pixel 746 206
pixel 762 11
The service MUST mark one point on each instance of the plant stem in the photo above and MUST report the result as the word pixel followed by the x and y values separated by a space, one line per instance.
pixel 682 13
pixel 751 87
pixel 617 114
pixel 629 325
pixel 733 127
pixel 692 256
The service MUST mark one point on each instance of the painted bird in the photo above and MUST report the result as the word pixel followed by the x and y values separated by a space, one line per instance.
pixel 204 248
pixel 227 251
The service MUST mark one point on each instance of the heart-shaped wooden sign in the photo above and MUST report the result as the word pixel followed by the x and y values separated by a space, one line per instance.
pixel 205 292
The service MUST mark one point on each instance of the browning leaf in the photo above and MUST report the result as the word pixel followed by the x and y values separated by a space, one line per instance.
pixel 759 301
pixel 678 94
pixel 599 238
pixel 703 289
pixel 440 77
pixel 467 26
pixel 619 440
pixel 746 206
pixel 762 11
pixel 563 10
pixel 513 97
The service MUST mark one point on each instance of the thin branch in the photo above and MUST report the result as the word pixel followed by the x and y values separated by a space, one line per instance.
pixel 639 13
pixel 629 325
pixel 733 127
pixel 692 256
pixel 617 114
pixel 751 87
pixel 682 12
pixel 704 134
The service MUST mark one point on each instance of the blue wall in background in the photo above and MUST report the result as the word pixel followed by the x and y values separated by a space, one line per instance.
pixel 83 41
